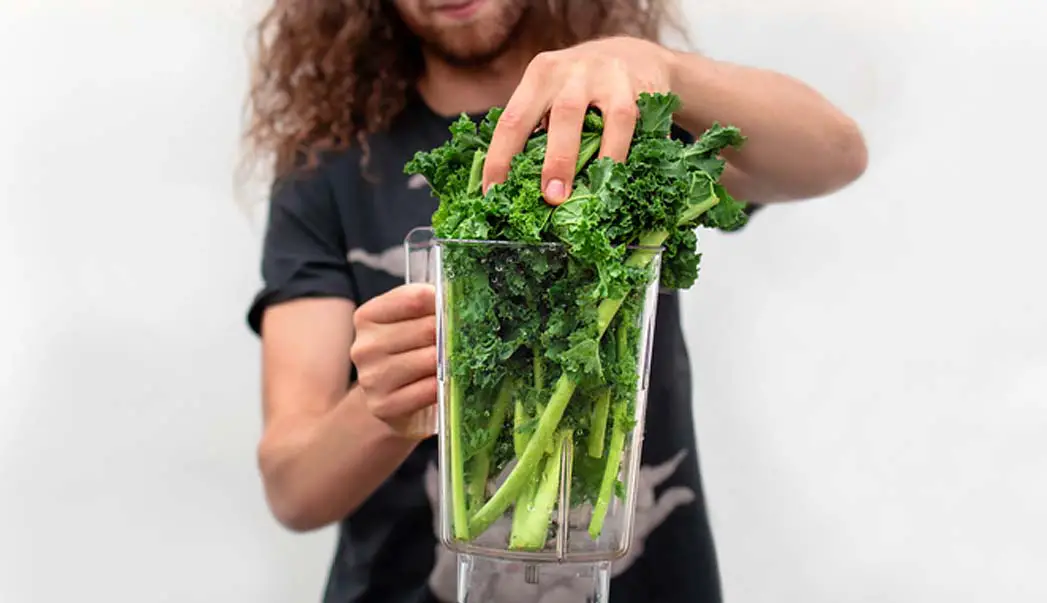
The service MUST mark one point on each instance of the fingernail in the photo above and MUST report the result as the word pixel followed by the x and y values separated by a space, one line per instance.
pixel 554 191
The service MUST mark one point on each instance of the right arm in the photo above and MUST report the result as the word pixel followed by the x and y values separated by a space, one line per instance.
pixel 323 450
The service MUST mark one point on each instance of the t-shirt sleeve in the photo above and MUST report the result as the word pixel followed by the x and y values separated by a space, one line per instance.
pixel 304 249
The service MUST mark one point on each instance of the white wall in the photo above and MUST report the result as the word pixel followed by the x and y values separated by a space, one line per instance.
pixel 871 368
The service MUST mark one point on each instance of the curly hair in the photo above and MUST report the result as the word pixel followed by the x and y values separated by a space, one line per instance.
pixel 331 72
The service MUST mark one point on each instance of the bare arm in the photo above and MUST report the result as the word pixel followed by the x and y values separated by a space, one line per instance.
pixel 322 452
pixel 799 145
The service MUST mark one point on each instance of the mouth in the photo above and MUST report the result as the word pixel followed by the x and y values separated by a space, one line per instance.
pixel 458 9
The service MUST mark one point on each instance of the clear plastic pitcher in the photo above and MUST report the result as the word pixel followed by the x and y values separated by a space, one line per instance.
pixel 543 386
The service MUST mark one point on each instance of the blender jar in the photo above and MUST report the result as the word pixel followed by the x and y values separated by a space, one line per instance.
pixel 543 366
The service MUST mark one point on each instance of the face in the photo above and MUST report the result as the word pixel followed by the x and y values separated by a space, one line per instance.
pixel 467 33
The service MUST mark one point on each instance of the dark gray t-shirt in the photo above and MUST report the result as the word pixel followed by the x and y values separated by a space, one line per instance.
pixel 334 232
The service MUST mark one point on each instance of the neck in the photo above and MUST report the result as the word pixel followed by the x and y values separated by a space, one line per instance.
pixel 450 90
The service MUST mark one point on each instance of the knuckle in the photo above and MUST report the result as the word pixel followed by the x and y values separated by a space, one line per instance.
pixel 557 164
pixel 430 329
pixel 510 119
pixel 422 395
pixel 622 110
pixel 431 359
pixel 569 103
pixel 543 60
pixel 420 301
pixel 360 316
pixel 378 407
pixel 367 380
pixel 362 349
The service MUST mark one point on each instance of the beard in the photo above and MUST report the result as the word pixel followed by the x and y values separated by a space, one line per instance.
pixel 479 42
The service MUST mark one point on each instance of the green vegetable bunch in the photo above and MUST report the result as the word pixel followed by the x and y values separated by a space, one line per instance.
pixel 544 327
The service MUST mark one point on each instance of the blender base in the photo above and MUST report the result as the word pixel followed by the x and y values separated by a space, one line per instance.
pixel 489 580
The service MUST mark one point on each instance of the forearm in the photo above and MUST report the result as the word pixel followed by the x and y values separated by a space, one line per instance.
pixel 799 145
pixel 318 469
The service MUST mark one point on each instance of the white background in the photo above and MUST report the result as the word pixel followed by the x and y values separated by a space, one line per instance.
pixel 871 368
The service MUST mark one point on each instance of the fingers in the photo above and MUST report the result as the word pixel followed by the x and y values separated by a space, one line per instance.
pixel 522 113
pixel 404 401
pixel 565 130
pixel 383 376
pixel 395 351
pixel 616 103
pixel 405 302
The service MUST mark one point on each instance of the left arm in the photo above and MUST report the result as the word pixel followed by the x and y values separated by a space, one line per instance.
pixel 799 145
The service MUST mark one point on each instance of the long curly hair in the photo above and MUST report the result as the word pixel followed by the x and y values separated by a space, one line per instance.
pixel 328 73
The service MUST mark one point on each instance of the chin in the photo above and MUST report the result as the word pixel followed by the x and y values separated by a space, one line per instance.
pixel 474 38
pixel 473 46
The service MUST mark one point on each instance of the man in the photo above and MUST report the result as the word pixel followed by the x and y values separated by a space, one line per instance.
pixel 346 92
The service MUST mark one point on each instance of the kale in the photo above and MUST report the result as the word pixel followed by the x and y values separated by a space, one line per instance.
pixel 544 307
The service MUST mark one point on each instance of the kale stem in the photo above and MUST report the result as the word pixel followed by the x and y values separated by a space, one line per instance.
pixel 520 418
pixel 531 532
pixel 610 477
pixel 524 504
pixel 476 173
pixel 589 146
pixel 598 423
pixel 481 464
pixel 641 257
pixel 458 501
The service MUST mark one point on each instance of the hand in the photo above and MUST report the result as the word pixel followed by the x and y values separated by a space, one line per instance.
pixel 395 353
pixel 560 86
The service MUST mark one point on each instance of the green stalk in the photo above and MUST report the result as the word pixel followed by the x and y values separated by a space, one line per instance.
pixel 610 477
pixel 614 458
pixel 598 424
pixel 481 465
pixel 531 532
pixel 459 511
pixel 588 148
pixel 524 504
pixel 520 419
pixel 476 173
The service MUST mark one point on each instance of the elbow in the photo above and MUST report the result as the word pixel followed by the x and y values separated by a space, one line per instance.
pixel 291 503
pixel 832 161
pixel 293 513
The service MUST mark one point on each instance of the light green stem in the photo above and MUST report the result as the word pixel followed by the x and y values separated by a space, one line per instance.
pixel 610 478
pixel 598 423
pixel 460 513
pixel 481 464
pixel 532 531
